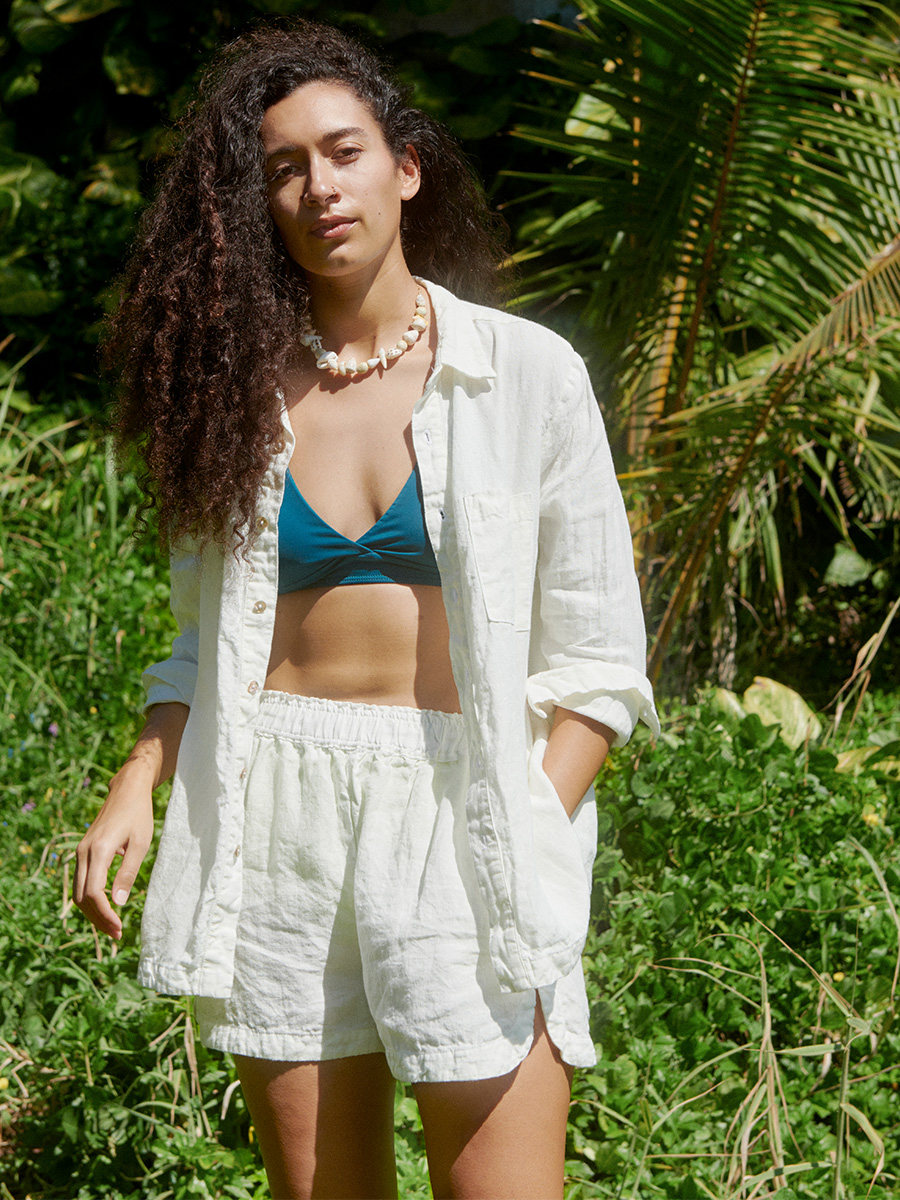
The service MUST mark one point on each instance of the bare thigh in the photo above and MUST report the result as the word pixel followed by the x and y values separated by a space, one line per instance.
pixel 326 1129
pixel 503 1138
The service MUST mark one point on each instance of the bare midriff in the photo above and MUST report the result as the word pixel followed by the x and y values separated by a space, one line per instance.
pixel 373 643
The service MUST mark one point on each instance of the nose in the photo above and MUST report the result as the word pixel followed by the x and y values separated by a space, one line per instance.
pixel 320 187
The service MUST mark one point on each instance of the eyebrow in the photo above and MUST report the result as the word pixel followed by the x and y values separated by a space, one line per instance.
pixel 334 136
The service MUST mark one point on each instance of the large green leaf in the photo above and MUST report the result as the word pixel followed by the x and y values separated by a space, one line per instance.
pixel 35 29
pixel 71 12
pixel 23 293
pixel 776 704
pixel 40 26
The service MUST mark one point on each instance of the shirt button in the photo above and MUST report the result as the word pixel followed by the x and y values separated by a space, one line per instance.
pixel 279 446
pixel 253 688
pixel 260 606
pixel 262 523
pixel 243 774
pixel 237 852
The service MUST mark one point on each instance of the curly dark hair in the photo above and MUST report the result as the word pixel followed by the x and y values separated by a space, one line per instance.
pixel 211 304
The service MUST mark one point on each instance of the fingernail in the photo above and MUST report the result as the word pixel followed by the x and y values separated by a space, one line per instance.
pixel 120 896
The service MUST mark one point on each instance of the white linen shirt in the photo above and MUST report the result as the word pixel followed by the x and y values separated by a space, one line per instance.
pixel 534 551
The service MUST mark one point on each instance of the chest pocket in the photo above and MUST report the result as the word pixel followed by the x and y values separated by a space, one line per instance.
pixel 501 532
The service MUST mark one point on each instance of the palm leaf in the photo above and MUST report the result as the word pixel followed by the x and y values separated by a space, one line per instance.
pixel 732 167
pixel 715 127
pixel 867 302
pixel 858 310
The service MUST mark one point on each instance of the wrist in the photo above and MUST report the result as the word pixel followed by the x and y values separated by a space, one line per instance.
pixel 143 764
pixel 156 749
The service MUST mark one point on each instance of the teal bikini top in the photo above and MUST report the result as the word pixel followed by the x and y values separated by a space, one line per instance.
pixel 395 550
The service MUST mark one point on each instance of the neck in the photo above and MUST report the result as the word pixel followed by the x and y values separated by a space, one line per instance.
pixel 356 316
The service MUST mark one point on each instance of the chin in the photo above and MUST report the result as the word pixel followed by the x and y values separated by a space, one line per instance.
pixel 335 267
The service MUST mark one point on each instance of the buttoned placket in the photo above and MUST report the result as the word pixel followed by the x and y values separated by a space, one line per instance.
pixel 256 647
pixel 430 428
pixel 424 446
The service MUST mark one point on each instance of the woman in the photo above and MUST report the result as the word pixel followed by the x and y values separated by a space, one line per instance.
pixel 410 631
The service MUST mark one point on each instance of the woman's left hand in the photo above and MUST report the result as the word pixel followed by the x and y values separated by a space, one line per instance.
pixel 575 752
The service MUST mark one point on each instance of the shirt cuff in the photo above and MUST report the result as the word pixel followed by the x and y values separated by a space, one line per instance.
pixel 613 694
pixel 177 685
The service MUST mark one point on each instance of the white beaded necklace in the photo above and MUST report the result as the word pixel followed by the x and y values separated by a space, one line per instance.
pixel 327 360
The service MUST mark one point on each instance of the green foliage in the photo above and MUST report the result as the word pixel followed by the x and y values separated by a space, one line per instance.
pixel 730 169
pixel 106 1090
pixel 743 968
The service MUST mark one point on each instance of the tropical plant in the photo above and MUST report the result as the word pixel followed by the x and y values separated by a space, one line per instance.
pixel 733 167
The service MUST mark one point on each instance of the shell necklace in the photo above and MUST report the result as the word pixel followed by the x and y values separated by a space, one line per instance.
pixel 327 360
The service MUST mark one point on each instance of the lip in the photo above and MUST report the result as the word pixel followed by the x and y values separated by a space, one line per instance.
pixel 334 226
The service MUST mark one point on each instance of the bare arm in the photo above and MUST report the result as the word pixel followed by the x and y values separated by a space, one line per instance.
pixel 124 824
pixel 576 749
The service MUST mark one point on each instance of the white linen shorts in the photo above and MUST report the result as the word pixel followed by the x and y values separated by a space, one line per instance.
pixel 361 928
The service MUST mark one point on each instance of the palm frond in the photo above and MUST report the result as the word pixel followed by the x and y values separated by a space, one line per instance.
pixel 714 121
pixel 731 171
pixel 862 306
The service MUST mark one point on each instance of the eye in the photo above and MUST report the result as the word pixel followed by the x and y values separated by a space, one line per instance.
pixel 282 171
pixel 347 153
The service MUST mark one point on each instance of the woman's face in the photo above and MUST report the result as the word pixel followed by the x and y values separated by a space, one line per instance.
pixel 335 190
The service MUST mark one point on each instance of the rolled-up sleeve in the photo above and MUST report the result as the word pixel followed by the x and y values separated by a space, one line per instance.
pixel 175 678
pixel 590 655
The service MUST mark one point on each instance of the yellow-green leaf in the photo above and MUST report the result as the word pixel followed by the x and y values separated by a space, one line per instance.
pixel 776 704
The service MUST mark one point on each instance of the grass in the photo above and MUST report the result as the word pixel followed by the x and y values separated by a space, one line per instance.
pixel 742 968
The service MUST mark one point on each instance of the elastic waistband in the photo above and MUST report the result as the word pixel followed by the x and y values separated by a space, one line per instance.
pixel 416 732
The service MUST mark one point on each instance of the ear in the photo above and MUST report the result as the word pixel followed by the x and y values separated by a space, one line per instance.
pixel 410 173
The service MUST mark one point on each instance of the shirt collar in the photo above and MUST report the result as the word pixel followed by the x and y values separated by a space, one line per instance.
pixel 461 344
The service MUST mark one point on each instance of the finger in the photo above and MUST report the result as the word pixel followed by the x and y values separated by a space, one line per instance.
pixel 95 904
pixel 80 873
pixel 103 917
pixel 133 856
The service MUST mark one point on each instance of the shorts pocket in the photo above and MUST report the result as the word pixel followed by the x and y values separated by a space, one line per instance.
pixel 563 866
pixel 501 532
